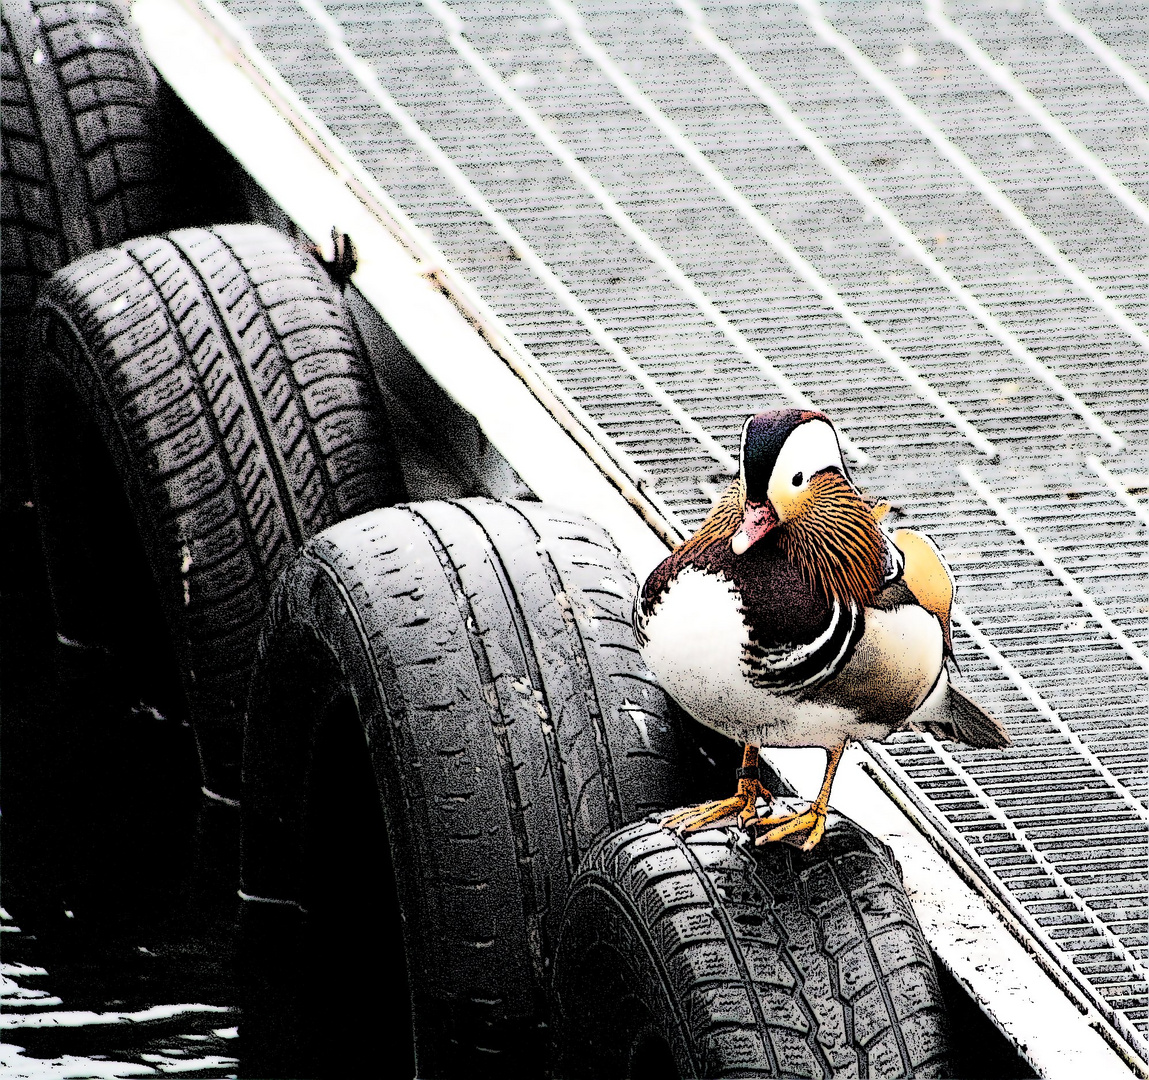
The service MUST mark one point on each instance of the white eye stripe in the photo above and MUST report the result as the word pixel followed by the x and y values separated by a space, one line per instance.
pixel 811 447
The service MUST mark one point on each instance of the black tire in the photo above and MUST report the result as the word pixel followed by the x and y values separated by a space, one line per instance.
pixel 79 169
pixel 78 164
pixel 197 408
pixel 478 659
pixel 705 956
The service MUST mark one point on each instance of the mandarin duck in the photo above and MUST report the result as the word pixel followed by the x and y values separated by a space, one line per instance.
pixel 791 618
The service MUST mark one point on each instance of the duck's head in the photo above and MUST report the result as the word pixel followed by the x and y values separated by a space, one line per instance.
pixel 783 453
pixel 795 482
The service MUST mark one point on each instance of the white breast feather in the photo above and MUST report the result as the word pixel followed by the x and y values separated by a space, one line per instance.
pixel 696 637
pixel 695 641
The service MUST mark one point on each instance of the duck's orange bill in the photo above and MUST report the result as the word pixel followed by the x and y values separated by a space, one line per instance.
pixel 758 519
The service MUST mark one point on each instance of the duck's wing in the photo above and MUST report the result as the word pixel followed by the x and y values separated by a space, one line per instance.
pixel 955 717
pixel 928 578
pixel 721 523
pixel 788 668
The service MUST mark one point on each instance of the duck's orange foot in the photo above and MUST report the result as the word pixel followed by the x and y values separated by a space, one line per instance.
pixel 744 805
pixel 793 825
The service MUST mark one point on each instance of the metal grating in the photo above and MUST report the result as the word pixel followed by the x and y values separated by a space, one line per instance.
pixel 930 222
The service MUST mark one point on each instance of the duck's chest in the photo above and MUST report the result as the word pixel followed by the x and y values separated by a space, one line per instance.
pixel 781 667
pixel 698 639
pixel 695 637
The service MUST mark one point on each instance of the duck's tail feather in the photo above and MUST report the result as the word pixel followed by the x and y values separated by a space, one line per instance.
pixel 964 721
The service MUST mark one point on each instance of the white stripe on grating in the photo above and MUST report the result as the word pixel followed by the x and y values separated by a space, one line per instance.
pixel 1071 25
pixel 648 244
pixel 762 225
pixel 1051 564
pixel 1071 894
pixel 370 82
pixel 972 173
pixel 1118 489
pixel 1012 86
pixel 1046 710
pixel 857 187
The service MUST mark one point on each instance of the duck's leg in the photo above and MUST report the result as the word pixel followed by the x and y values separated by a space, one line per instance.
pixel 813 819
pixel 744 804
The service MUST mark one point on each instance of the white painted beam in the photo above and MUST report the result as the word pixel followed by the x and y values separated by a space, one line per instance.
pixel 272 147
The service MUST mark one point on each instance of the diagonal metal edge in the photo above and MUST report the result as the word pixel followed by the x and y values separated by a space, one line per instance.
pixel 973 173
pixel 630 480
pixel 1006 80
pixel 1109 56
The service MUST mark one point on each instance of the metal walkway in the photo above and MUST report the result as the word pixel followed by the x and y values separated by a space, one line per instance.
pixel 931 222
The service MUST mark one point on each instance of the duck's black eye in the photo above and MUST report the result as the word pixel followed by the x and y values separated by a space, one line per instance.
pixel 797 479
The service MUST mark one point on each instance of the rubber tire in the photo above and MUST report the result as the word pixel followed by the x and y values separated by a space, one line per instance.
pixel 486 652
pixel 198 408
pixel 79 165
pixel 706 956
pixel 80 169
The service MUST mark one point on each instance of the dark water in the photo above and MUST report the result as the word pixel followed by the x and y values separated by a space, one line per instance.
pixel 115 1011
pixel 117 944
pixel 115 959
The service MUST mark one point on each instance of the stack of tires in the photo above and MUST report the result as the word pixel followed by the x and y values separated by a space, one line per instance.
pixel 431 719
pixel 100 781
pixel 451 759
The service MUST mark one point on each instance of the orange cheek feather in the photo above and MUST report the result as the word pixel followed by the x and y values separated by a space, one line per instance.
pixel 927 578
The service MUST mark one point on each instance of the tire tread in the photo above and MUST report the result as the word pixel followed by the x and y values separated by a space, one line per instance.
pixel 167 342
pixel 770 951
pixel 497 694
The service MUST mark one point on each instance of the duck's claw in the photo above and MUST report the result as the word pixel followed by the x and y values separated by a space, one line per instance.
pixel 744 805
pixel 780 828
pixel 698 817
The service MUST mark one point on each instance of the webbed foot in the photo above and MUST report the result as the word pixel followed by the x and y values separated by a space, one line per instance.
pixel 744 805
pixel 792 825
